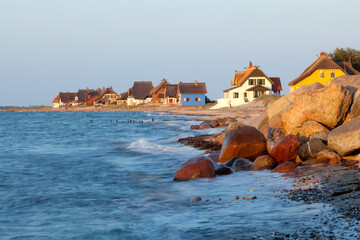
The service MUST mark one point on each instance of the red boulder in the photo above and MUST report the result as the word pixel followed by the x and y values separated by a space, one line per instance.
pixel 286 149
pixel 198 167
pixel 242 141
pixel 285 167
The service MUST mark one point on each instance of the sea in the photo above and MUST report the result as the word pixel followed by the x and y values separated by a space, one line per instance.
pixel 109 175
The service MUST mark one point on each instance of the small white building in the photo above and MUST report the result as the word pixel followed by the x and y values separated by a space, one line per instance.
pixel 247 86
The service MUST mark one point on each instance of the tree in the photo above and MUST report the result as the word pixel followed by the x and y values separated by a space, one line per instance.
pixel 341 54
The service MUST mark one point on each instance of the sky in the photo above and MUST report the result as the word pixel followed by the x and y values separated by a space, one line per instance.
pixel 65 45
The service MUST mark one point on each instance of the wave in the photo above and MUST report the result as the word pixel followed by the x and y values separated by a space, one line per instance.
pixel 143 145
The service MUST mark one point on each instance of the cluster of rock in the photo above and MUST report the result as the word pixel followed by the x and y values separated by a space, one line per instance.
pixel 213 123
pixel 314 124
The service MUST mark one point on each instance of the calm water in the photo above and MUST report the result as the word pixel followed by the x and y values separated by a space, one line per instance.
pixel 97 176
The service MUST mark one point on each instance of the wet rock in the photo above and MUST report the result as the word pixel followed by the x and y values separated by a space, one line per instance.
pixel 311 127
pixel 327 156
pixel 321 134
pixel 275 136
pixel 327 106
pixel 230 162
pixel 242 164
pixel 242 141
pixel 203 142
pixel 204 125
pixel 310 149
pixel 264 162
pixel 237 198
pixel 345 138
pixel 286 149
pixel 249 198
pixel 285 167
pixel 223 170
pixel 197 199
pixel 194 127
pixel 197 167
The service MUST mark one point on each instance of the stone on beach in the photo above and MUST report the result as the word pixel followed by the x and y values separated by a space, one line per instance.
pixel 197 167
pixel 310 149
pixel 264 162
pixel 285 167
pixel 327 106
pixel 242 141
pixel 242 164
pixel 327 156
pixel 311 127
pixel 321 134
pixel 345 139
pixel 223 170
pixel 286 149
pixel 204 125
pixel 275 136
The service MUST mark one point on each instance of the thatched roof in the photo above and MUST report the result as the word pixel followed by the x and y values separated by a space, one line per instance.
pixel 241 76
pixel 65 97
pixel 258 88
pixel 123 96
pixel 277 84
pixel 192 88
pixel 161 85
pixel 347 66
pixel 171 90
pixel 141 90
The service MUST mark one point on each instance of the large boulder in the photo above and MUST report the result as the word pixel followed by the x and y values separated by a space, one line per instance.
pixel 327 156
pixel 311 127
pixel 197 167
pixel 285 167
pixel 310 149
pixel 280 104
pixel 242 141
pixel 348 80
pixel 286 149
pixel 275 136
pixel 242 164
pixel 204 125
pixel 355 109
pixel 321 134
pixel 327 106
pixel 264 162
pixel 345 139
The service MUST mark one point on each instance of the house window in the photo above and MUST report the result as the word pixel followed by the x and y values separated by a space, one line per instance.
pixel 251 81
pixel 197 99
pixel 322 74
pixel 245 94
pixel 186 99
pixel 236 95
pixel 332 74
pixel 261 81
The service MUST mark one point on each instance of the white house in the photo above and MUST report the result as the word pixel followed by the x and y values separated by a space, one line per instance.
pixel 247 86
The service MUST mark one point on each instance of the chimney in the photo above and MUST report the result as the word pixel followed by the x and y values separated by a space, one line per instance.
pixel 196 82
pixel 103 88
pixel 111 87
pixel 250 65
pixel 87 89
pixel 323 54
pixel 67 92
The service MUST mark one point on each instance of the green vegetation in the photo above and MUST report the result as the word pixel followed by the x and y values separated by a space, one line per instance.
pixel 341 54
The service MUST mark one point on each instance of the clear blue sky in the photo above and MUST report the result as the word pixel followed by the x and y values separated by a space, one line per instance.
pixel 47 46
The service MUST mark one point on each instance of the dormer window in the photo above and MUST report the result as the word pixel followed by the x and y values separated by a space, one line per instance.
pixel 261 81
pixel 251 81
pixel 322 74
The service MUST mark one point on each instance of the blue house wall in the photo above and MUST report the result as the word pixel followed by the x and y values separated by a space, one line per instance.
pixel 191 98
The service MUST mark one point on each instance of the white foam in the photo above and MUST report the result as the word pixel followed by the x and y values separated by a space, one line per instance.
pixel 143 145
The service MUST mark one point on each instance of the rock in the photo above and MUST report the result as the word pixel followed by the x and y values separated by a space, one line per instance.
pixel 355 109
pixel 249 198
pixel 275 136
pixel 276 121
pixel 264 162
pixel 264 130
pixel 335 161
pixel 230 162
pixel 286 149
pixel 348 80
pixel 326 156
pixel 279 105
pixel 223 170
pixel 197 167
pixel 242 141
pixel 237 198
pixel 327 106
pixel 242 164
pixel 197 199
pixel 194 127
pixel 285 167
pixel 310 149
pixel 345 139
pixel 321 134
pixel 311 127
pixel 298 160
pixel 204 125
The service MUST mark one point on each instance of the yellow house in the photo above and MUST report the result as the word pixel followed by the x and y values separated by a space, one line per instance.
pixel 323 71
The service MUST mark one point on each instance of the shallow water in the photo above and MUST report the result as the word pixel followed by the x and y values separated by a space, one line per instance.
pixel 98 176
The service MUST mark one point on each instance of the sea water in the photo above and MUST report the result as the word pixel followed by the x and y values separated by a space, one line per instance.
pixel 109 175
